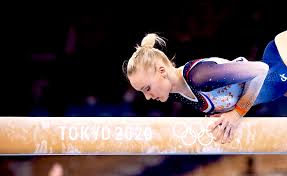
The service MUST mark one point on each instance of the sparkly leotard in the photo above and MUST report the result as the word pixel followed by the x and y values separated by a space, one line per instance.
pixel 209 98
pixel 218 85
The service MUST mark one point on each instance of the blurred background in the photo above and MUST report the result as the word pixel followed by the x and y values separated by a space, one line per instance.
pixel 70 64
pixel 157 165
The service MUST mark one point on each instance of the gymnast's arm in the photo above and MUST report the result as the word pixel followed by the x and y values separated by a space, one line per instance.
pixel 209 75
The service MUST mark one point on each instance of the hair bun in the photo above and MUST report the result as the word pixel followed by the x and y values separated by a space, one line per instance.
pixel 149 40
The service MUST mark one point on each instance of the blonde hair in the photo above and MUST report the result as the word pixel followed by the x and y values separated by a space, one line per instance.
pixel 146 54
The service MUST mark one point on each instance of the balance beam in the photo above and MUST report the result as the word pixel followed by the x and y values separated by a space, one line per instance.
pixel 136 135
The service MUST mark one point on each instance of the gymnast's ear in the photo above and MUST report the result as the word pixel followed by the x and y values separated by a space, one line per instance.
pixel 162 71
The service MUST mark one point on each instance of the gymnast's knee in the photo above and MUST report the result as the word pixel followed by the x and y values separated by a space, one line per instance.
pixel 281 44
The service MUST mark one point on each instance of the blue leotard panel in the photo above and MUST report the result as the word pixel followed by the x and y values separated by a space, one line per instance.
pixel 275 84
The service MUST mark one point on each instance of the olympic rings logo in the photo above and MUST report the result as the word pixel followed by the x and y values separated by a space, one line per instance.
pixel 190 136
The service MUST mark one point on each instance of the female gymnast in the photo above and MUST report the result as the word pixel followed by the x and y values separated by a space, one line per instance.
pixel 218 87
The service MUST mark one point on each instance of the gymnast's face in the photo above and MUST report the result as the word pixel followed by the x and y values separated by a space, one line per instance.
pixel 153 83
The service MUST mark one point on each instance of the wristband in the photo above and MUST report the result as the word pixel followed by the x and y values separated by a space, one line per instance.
pixel 241 111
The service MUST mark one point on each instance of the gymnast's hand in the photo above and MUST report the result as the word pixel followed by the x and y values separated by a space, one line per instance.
pixel 224 128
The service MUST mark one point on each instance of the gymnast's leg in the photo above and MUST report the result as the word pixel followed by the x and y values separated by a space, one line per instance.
pixel 275 55
pixel 281 44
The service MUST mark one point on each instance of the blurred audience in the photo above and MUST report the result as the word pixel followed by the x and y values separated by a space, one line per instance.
pixel 79 57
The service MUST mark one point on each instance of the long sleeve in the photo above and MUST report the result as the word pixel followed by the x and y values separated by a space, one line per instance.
pixel 208 75
pixel 250 93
